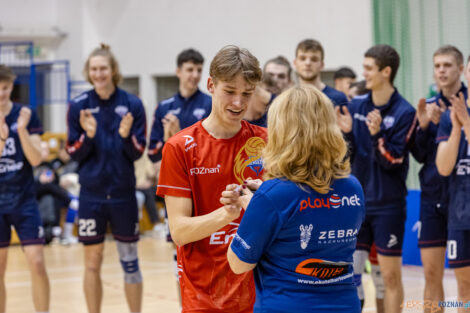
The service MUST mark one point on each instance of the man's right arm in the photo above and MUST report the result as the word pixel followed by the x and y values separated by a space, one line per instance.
pixel 185 228
pixel 422 140
pixel 448 148
pixel 79 145
pixel 4 132
pixel 156 137
pixel 2 145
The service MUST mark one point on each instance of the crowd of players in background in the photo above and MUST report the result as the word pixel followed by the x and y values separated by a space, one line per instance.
pixel 107 133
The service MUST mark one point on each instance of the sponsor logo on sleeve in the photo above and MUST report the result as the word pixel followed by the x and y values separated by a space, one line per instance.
pixel 189 143
pixel 167 101
pixel 175 111
pixel 244 244
pixel 81 97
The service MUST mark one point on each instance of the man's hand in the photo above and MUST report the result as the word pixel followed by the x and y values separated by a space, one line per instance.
pixel 422 113
pixel 435 112
pixel 253 184
pixel 460 110
pixel 4 131
pixel 231 200
pixel 454 119
pixel 23 118
pixel 374 119
pixel 126 125
pixel 88 123
pixel 171 125
pixel 239 196
pixel 344 120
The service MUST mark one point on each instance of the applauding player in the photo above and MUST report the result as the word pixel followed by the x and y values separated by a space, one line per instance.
pixel 378 128
pixel 20 149
pixel 106 135
pixel 453 160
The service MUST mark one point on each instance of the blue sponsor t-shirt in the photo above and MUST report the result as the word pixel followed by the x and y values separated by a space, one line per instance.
pixel 459 180
pixel 303 243
pixel 16 174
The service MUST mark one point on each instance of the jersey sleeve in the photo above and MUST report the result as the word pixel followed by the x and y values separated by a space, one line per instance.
pixel 349 137
pixel 251 241
pixel 34 125
pixel 134 145
pixel 79 145
pixel 173 179
pixel 445 128
pixel 422 143
pixel 341 99
pixel 391 148
pixel 156 136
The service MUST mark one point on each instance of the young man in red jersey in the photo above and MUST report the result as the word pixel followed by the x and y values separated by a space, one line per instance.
pixel 197 165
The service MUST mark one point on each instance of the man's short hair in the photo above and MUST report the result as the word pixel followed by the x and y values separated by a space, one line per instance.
pixel 344 72
pixel 6 74
pixel 280 60
pixel 361 87
pixel 270 84
pixel 452 50
pixel 385 55
pixel 310 45
pixel 231 61
pixel 189 55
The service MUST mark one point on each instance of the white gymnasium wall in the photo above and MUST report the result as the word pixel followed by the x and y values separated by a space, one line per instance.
pixel 146 35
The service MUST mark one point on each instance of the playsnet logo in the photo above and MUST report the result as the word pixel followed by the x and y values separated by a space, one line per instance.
pixel 334 201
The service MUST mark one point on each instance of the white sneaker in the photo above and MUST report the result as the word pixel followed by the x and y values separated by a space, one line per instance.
pixel 159 231
pixel 69 240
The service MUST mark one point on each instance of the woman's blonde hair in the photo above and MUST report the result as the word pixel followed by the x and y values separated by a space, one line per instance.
pixel 305 145
pixel 105 51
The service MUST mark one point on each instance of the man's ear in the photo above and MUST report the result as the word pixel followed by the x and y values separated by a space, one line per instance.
pixel 178 72
pixel 210 85
pixel 387 71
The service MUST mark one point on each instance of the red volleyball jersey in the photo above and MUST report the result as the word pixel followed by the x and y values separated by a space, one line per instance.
pixel 198 166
